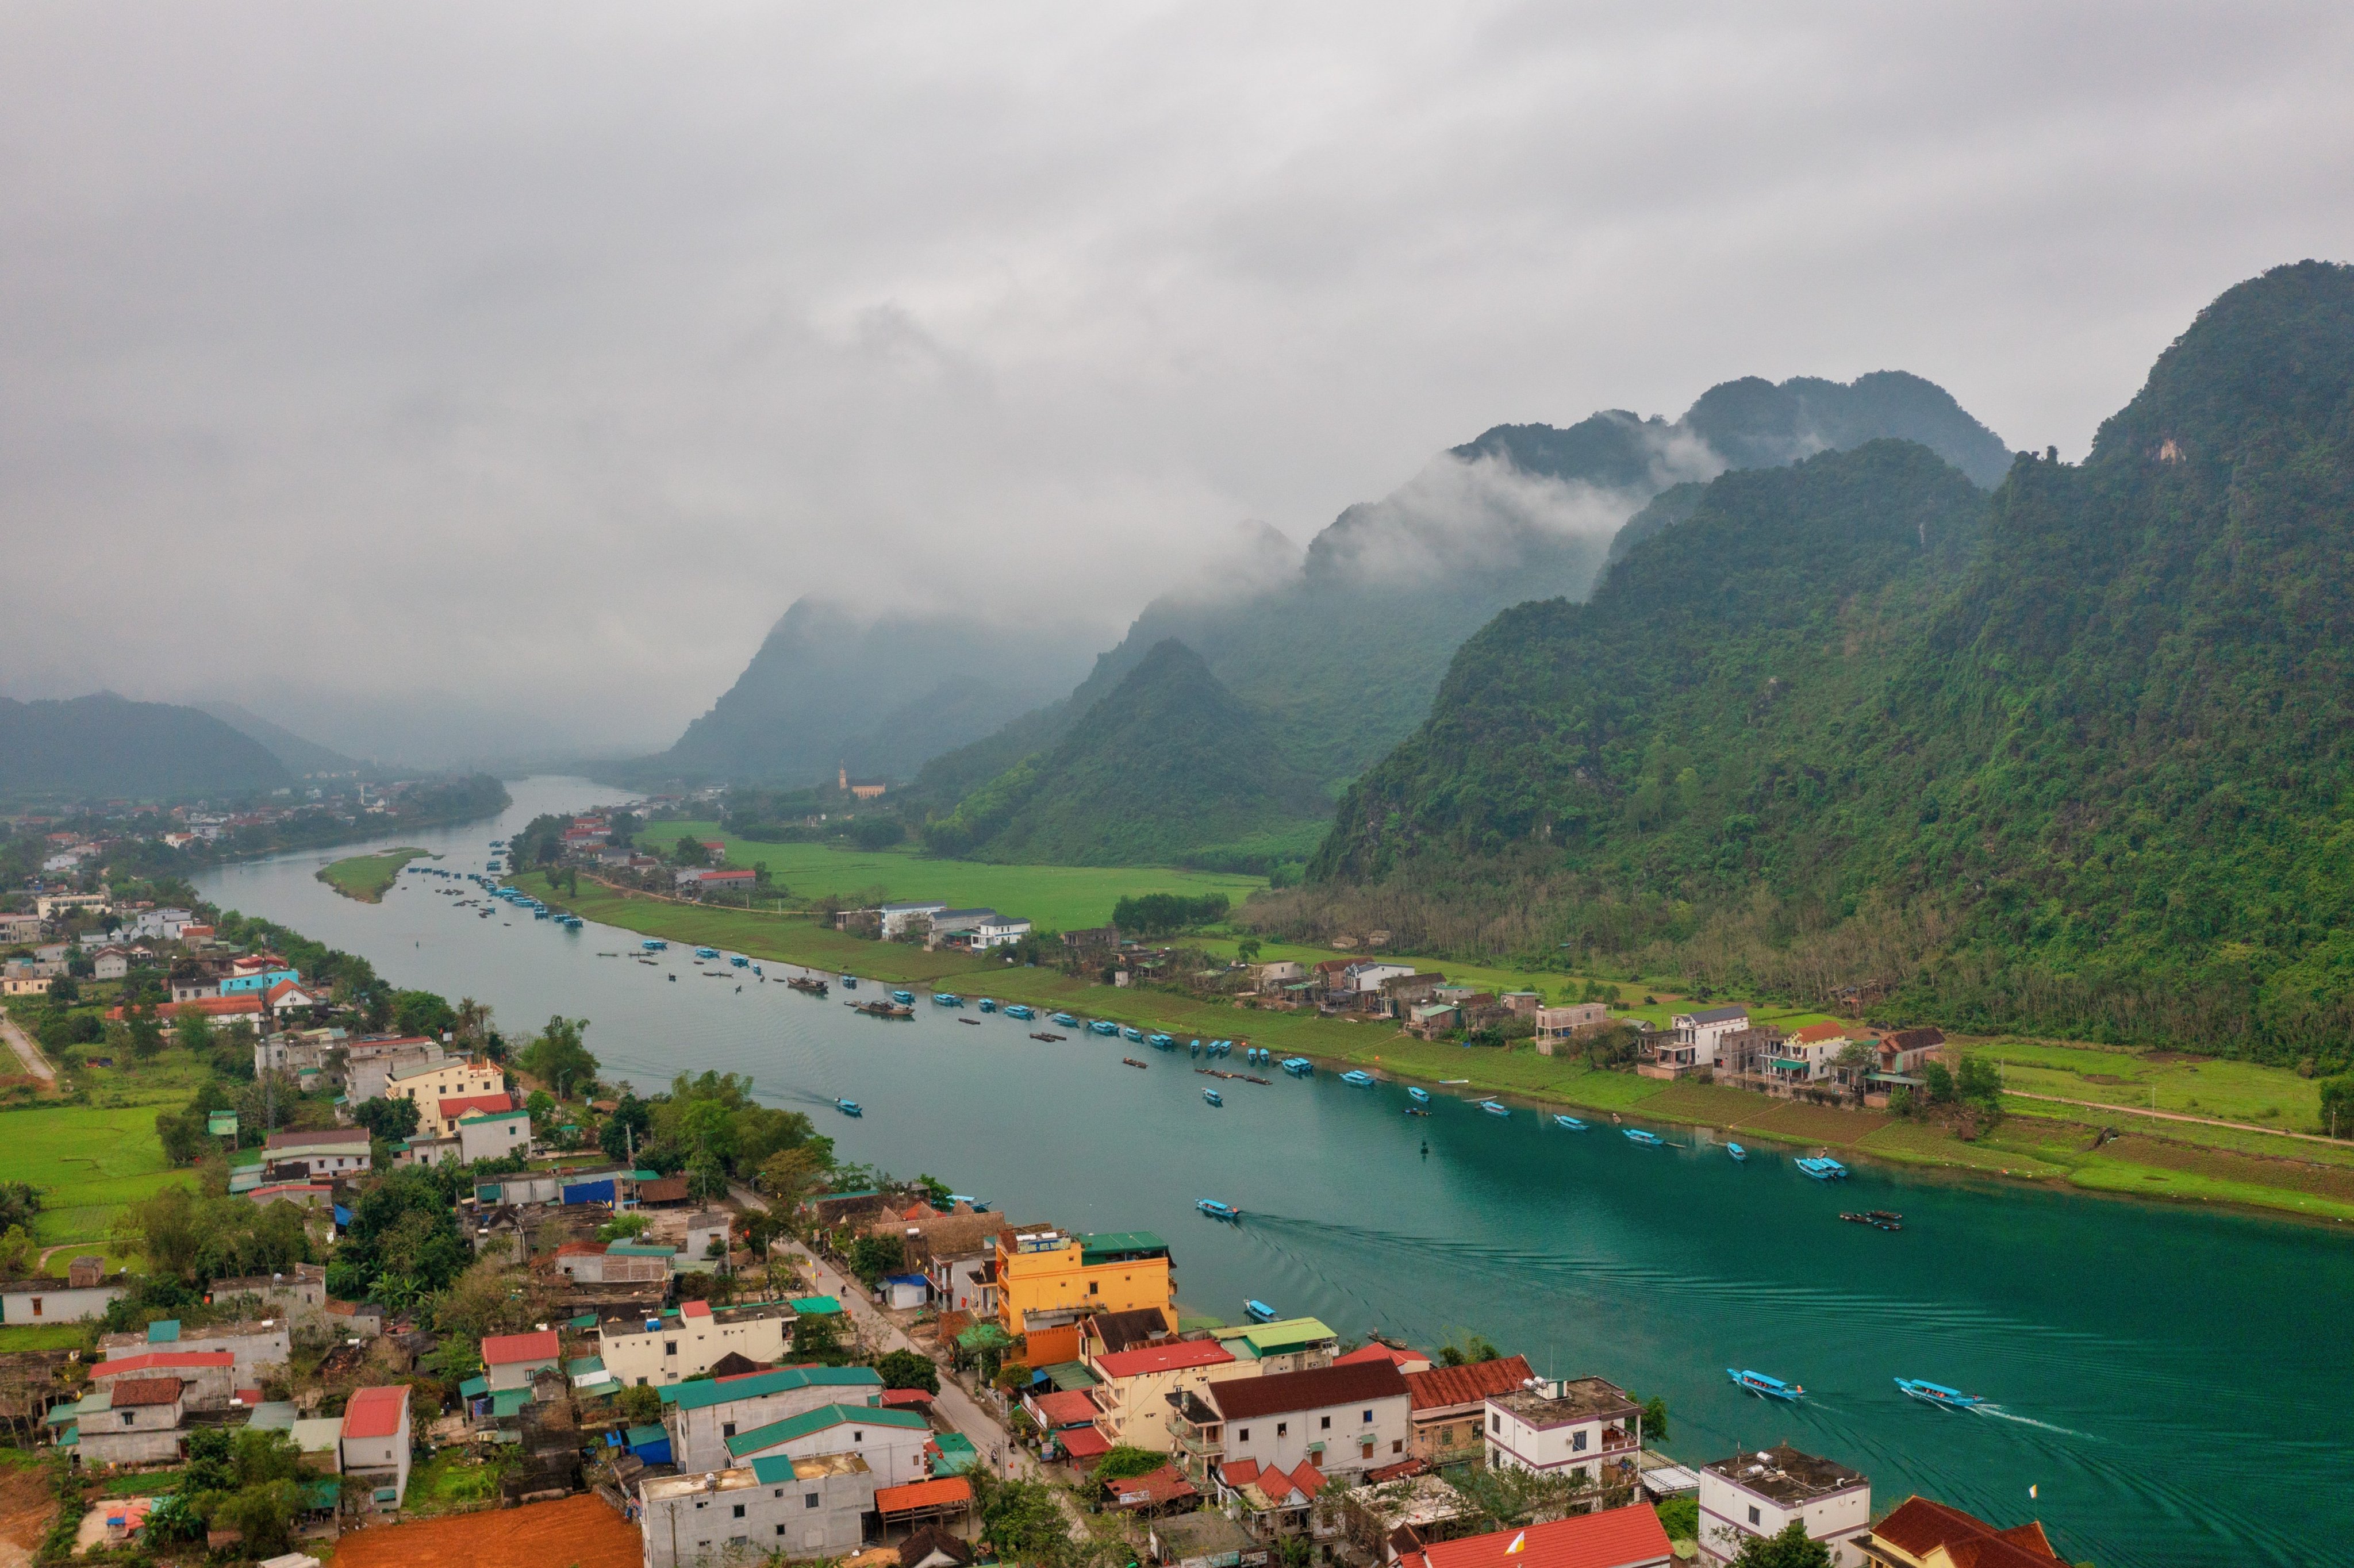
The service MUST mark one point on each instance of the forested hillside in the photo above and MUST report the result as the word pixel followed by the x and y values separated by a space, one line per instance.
pixel 104 744
pixel 1168 763
pixel 2087 776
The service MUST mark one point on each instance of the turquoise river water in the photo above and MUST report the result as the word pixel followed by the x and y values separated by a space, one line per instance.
pixel 2174 1385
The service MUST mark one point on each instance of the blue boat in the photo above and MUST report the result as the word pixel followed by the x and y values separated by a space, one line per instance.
pixel 739 962
pixel 1766 1387
pixel 1363 1079
pixel 1648 1140
pixel 1196 1049
pixel 706 952
pixel 904 998
pixel 653 945
pixel 947 998
pixel 1101 1026
pixel 1259 1311
pixel 1736 1152
pixel 1161 1043
pixel 1492 1108
pixel 1298 1066
pixel 987 1004
pixel 1021 1011
pixel 1133 1032
pixel 848 1108
pixel 1822 1167
pixel 1216 1210
pixel 1569 1122
pixel 849 982
pixel 1067 1022
pixel 1420 1097
pixel 1938 1393
pixel 1213 1096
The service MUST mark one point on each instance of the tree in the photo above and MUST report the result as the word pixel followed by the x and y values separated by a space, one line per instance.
pixel 1793 1548
pixel 872 1257
pixel 1654 1421
pixel 1979 1083
pixel 627 1130
pixel 1021 1519
pixel 1508 1496
pixel 909 1369
pixel 1247 949
pixel 1474 1348
pixel 1122 1463
pixel 2337 1105
pixel 192 1028
pixel 423 1012
pixel 17 1250
pixel 20 1203
pixel 689 852
pixel 638 1406
pixel 557 1058
pixel 146 1035
pixel 391 1121
pixel 542 1108
pixel 1939 1082
pixel 817 1336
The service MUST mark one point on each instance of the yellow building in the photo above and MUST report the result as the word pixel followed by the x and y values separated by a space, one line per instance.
pixel 1049 1280
pixel 430 1084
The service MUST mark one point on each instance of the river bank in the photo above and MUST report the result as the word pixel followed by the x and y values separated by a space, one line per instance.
pixel 2038 1143
pixel 366 877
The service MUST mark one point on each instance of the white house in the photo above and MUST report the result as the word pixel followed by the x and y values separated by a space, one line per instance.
pixel 1693 1037
pixel 337 1151
pixel 250 1346
pixel 511 1360
pixel 140 1425
pixel 374 1448
pixel 1339 1419
pixel 775 1508
pixel 1761 1493
pixel 890 1441
pixel 1586 1425
pixel 493 1135
pixel 52 1300
pixel 673 1346
pixel 897 917
pixel 702 1416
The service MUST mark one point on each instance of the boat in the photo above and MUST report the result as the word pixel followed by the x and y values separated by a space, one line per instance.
pixel 804 983
pixel 1021 1011
pixel 1884 1217
pixel 1648 1140
pixel 1822 1167
pixel 974 1021
pixel 877 1008
pixel 947 998
pixel 706 952
pixel 1100 1026
pixel 906 997
pixel 1298 1066
pixel 988 1004
pixel 1259 1311
pixel 1067 1022
pixel 738 961
pixel 1938 1393
pixel 1569 1123
pixel 848 1108
pixel 1133 1062
pixel 1875 1220
pixel 1416 1110
pixel 1133 1032
pixel 1216 1210
pixel 849 982
pixel 1736 1152
pixel 1492 1108
pixel 1358 1076
pixel 1766 1387
pixel 1418 1094
pixel 1161 1043
pixel 1214 1097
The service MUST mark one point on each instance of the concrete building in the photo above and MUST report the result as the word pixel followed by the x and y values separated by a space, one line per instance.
pixel 1050 1280
pixel 429 1082
pixel 511 1360
pixel 1692 1038
pixel 369 1063
pixel 373 1450
pixel 493 1136
pixel 685 1343
pixel 139 1426
pixel 1450 1406
pixel 207 1378
pixel 788 1508
pixel 890 1441
pixel 1924 1534
pixel 1559 1029
pixel 1286 1345
pixel 1136 1387
pixel 895 918
pixel 54 1300
pixel 1761 1493
pixel 1614 1537
pixel 1338 1420
pixel 703 1416
pixel 441 1120
pixel 252 1346
pixel 1584 1426
pixel 340 1151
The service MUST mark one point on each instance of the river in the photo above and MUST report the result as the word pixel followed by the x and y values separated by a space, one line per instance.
pixel 2173 1385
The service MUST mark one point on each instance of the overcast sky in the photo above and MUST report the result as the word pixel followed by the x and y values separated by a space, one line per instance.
pixel 358 359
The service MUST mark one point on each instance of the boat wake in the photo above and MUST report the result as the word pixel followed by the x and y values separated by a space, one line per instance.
pixel 1999 1413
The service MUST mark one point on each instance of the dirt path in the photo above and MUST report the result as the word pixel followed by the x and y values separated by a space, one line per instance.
pixel 28 1052
pixel 2179 1116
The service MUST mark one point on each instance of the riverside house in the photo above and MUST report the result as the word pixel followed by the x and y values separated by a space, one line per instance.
pixel 1586 1426
pixel 1764 1492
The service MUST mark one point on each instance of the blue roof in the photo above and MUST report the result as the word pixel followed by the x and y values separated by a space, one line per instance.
pixel 164 1331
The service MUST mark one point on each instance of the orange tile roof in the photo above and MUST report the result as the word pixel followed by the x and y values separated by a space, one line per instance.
pixel 507 1349
pixel 1441 1388
pixel 162 1361
pixel 1377 1352
pixel 1919 1526
pixel 942 1493
pixel 1815 1034
pixel 1615 1537
pixel 1180 1356
pixel 375 1412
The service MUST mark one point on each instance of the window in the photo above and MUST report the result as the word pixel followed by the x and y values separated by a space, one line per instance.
pixel 739 1510
pixel 1368 1418
pixel 670 1347
pixel 858 1436
pixel 1092 1287
pixel 780 1530
pixel 129 1416
pixel 1281 1427
pixel 1368 1451
pixel 809 1499
pixel 1578 1442
pixel 1399 1445
pixel 1495 1424
pixel 37 1305
pixel 642 1382
pixel 778 1493
pixel 728 1429
pixel 1327 1425
pixel 1242 1434
pixel 1753 1515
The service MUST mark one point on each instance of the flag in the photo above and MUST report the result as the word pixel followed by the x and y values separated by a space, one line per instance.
pixel 2031 1489
pixel 1518 1542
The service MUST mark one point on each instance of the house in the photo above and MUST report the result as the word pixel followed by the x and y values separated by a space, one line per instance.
pixel 1901 1057
pixel 1269 978
pixel 1612 1538
pixel 206 1377
pixel 1587 1425
pixel 251 1347
pixel 1203 1539
pixel 1450 1406
pixel 26 985
pixel 511 1360
pixel 19 930
pixel 890 1441
pixel 54 1300
pixel 1139 1388
pixel 140 1424
pixel 1406 1360
pixel 257 975
pixel 1558 1028
pixel 674 1345
pixel 1808 1056
pixel 933 1547
pixel 1692 1038
pixel 369 1065
pixel 493 1135
pixel 977 930
pixel 706 880
pixel 428 1083
pixel 1924 1534
pixel 895 918
pixel 299 1294
pixel 440 1119
pixel 920 1506
pixel 706 1242
pixel 339 1152
pixel 1338 1421
pixel 1288 1344
pixel 289 996
pixel 373 1450
pixel 776 1507
pixel 1049 1279
pixel 621 1263
pixel 110 963
pixel 702 1416
pixel 429 1151
pixel 1761 1493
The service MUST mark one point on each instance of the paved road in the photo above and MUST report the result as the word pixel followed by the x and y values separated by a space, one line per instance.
pixel 28 1052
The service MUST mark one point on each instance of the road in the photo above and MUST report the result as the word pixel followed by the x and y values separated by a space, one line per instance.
pixel 28 1052
pixel 2178 1116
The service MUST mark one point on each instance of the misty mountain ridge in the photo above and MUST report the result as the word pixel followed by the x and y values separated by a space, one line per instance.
pixel 2069 759
pixel 300 755
pixel 107 746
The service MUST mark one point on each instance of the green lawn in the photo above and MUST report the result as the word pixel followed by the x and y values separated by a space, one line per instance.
pixel 1052 898
pixel 16 1337
pixel 88 1162
pixel 366 877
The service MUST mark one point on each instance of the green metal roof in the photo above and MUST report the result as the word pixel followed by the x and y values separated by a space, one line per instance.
pixel 1103 1244
pixel 1274 1339
pixel 164 1331
pixel 823 1418
pixel 769 1469
pixel 585 1320
pixel 811 1306
pixel 698 1395
pixel 474 1387
pixel 481 1117
pixel 641 1250
pixel 956 1454
pixel 1068 1376
pixel 652 1432
pixel 583 1366
pixel 509 1400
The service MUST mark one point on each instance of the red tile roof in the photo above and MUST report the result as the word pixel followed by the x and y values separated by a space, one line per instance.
pixel 1152 1488
pixel 162 1361
pixel 582 1249
pixel 1274 1480
pixel 1919 1526
pixel 1180 1356
pixel 1377 1352
pixel 1083 1442
pixel 695 1309
pixel 145 1391
pixel 1615 1537
pixel 467 1105
pixel 1815 1034
pixel 1242 1398
pixel 1441 1388
pixel 507 1349
pixel 942 1493
pixel 893 1398
pixel 375 1412
pixel 1066 1407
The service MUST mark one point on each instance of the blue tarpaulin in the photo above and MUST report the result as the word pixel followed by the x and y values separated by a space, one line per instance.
pixel 590 1192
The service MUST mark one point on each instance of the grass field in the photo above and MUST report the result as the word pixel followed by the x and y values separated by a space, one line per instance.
pixel 88 1162
pixel 366 877
pixel 1052 898
pixel 2160 1080
pixel 46 1337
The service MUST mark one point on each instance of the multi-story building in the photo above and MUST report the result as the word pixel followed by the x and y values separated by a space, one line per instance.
pixel 1629 1537
pixel 429 1082
pixel 493 1135
pixel 1924 1534
pixel 370 1063
pixel 511 1360
pixel 1338 1420
pixel 703 1415
pixel 1288 1344
pixel 1692 1039
pixel 1050 1280
pixel 1138 1389
pixel 1763 1493
pixel 773 1509
pixel 372 1449
pixel 1560 1028
pixel 337 1152
pixel 890 1441
pixel 1584 1426
pixel 1450 1406
pixel 207 1377
pixel 687 1342
pixel 252 1346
